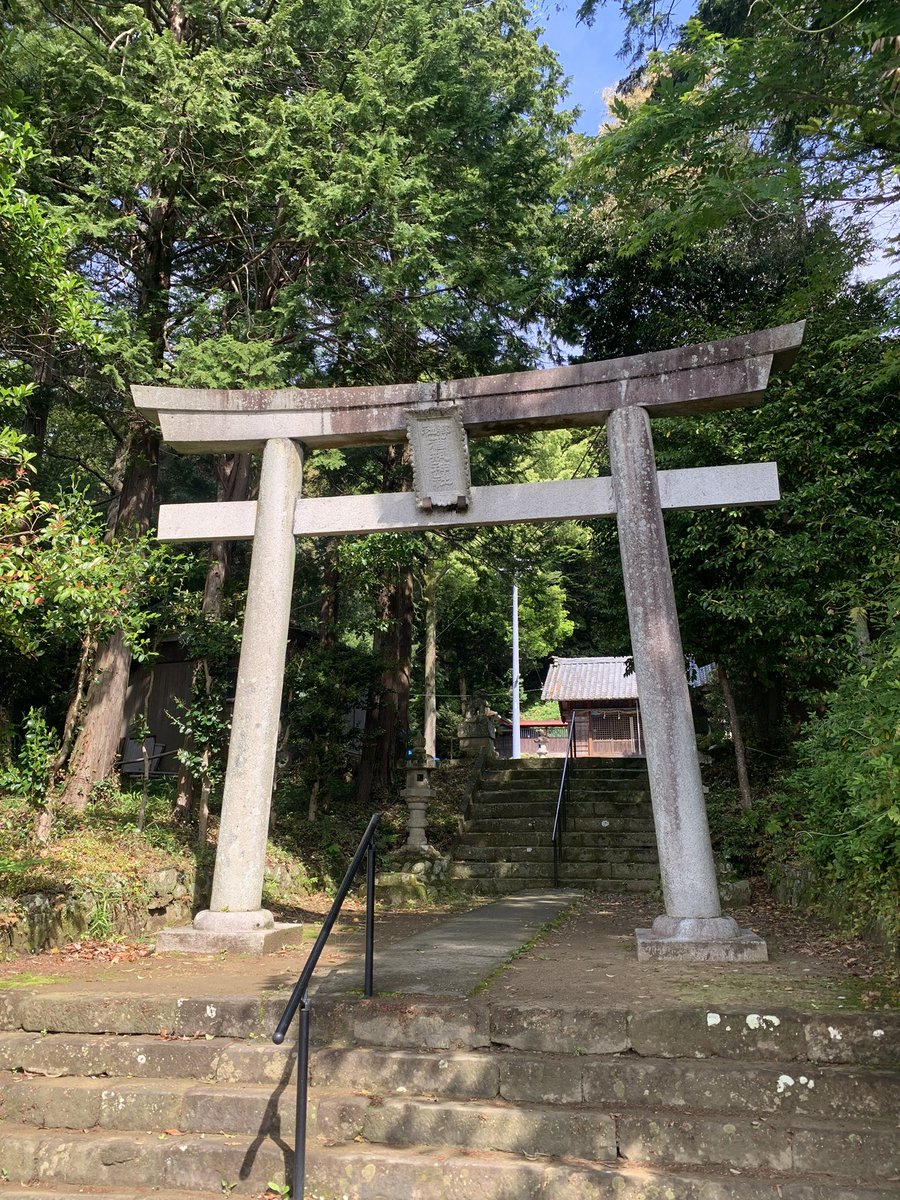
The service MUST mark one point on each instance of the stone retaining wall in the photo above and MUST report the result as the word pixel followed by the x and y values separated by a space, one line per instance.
pixel 40 920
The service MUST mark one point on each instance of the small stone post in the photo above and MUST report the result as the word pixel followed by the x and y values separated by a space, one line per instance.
pixel 693 926
pixel 236 919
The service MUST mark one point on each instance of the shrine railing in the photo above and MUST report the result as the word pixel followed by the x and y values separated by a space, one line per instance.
pixel 299 1001
pixel 565 783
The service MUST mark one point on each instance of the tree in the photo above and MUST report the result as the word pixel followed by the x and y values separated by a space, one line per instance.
pixel 756 110
pixel 705 210
pixel 280 194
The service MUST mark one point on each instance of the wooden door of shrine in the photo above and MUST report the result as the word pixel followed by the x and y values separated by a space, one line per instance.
pixel 615 733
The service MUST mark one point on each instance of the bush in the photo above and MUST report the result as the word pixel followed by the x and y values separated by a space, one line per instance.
pixel 838 811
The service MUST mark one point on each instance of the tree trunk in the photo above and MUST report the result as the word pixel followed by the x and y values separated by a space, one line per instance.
pixel 328 600
pixel 233 482
pixel 401 671
pixel 390 728
pixel 861 636
pixel 37 411
pixel 366 775
pixel 737 739
pixel 95 749
pixel 430 705
pixel 387 711
pixel 73 712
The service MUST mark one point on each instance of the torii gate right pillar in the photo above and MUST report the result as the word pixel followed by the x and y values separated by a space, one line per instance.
pixel 693 926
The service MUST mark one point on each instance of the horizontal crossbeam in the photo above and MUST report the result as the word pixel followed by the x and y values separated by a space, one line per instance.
pixel 502 504
pixel 731 373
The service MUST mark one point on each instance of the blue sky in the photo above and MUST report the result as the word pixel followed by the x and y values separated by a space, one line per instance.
pixel 587 54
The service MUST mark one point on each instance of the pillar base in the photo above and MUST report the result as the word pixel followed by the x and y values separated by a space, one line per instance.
pixel 233 932
pixel 699 939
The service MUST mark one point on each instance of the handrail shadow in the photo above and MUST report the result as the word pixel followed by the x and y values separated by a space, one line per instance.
pixel 299 999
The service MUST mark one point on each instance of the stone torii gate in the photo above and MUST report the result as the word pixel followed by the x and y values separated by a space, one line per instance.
pixel 437 417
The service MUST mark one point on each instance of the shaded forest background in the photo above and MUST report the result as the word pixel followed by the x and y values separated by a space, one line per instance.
pixel 245 193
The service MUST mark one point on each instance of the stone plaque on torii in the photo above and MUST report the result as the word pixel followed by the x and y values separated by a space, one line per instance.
pixel 437 418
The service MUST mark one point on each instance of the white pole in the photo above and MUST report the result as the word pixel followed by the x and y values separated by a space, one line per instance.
pixel 516 731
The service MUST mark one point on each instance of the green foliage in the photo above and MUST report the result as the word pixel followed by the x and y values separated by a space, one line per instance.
pixel 756 110
pixel 60 579
pixel 767 591
pixel 356 191
pixel 212 642
pixel 39 295
pixel 324 684
pixel 839 810
pixel 546 710
pixel 29 775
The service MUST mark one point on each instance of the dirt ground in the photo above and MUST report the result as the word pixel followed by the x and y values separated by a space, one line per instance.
pixel 587 959
pixel 131 966
pixel 590 959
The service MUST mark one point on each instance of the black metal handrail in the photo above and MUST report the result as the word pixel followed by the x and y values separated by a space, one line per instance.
pixel 300 1000
pixel 559 820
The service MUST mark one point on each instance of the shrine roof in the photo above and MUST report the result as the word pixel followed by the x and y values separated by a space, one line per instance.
pixel 589 679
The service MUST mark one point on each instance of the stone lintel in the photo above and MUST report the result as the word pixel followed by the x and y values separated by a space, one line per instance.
pixel 189 940
pixel 730 373
pixel 502 504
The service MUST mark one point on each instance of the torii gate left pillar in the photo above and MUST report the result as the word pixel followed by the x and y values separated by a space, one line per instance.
pixel 624 392
pixel 236 917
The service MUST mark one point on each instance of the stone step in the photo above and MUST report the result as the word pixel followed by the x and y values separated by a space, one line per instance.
pixel 547 809
pixel 615 1082
pixel 582 768
pixel 609 824
pixel 574 871
pixel 691 1032
pixel 579 841
pixel 576 792
pixel 544 824
pixel 634 1090
pixel 148 1105
pixel 61 1192
pixel 141 1056
pixel 768 1143
pixel 514 794
pixel 543 852
pixel 171 1017
pixel 507 887
pixel 426 1174
pixel 364 1171
pixel 583 790
pixel 211 1162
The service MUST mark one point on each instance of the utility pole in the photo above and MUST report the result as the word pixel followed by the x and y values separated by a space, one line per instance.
pixel 516 732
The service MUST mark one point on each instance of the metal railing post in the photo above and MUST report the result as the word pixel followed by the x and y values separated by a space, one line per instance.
pixel 370 918
pixel 299 1181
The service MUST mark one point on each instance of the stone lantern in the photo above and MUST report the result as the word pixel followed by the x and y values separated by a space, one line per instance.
pixel 417 794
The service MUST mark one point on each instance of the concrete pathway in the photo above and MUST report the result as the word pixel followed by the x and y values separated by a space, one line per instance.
pixel 452 958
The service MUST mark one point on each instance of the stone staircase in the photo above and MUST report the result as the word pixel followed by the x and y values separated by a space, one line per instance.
pixel 123 1097
pixel 609 841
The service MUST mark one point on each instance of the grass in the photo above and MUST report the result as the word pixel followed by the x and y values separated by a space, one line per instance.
pixel 25 979
pixel 103 853
pixel 544 931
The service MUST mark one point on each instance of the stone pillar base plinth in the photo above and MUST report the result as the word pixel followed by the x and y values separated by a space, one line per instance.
pixel 234 932
pixel 699 939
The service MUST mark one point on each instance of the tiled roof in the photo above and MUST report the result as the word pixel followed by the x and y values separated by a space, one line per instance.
pixel 589 679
